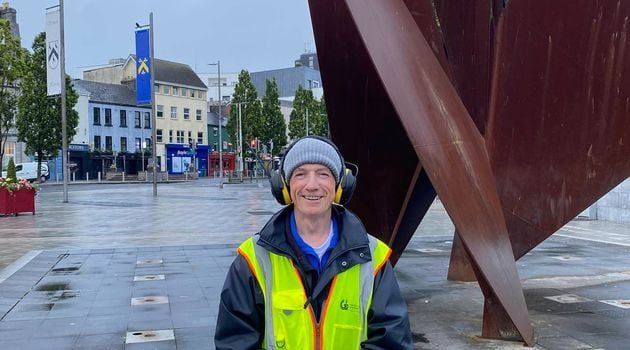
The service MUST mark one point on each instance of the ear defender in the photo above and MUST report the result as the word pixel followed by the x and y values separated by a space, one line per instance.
pixel 346 187
pixel 279 188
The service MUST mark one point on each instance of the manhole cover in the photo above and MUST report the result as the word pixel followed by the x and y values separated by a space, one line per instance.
pixel 260 212
pixel 566 258
pixel 148 278
pixel 151 300
pixel 429 250
pixel 568 299
pixel 148 336
pixel 149 262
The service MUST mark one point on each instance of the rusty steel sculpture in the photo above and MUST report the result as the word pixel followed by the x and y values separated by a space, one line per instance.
pixel 516 113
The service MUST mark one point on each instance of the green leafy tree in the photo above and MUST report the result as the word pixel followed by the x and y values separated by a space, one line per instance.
pixel 274 127
pixel 320 120
pixel 12 60
pixel 251 115
pixel 39 117
pixel 305 104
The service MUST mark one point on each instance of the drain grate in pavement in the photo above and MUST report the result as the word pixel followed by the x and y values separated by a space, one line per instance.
pixel 260 212
pixel 151 300
pixel 621 303
pixel 149 336
pixel 148 278
pixel 149 262
pixel 568 298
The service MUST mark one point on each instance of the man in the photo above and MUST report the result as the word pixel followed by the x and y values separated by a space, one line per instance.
pixel 312 278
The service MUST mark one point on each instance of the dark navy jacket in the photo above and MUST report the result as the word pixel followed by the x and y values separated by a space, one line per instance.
pixel 241 320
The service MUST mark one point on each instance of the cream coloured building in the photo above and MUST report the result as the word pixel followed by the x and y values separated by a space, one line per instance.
pixel 180 100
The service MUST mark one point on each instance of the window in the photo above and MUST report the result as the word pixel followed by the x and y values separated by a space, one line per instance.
pixel 198 115
pixel 166 89
pixel 97 142
pixel 137 120
pixel 175 91
pixel 170 136
pixel 180 136
pixel 190 136
pixel 186 113
pixel 108 117
pixel 315 83
pixel 215 146
pixel 138 145
pixel 147 142
pixel 97 116
pixel 199 137
pixel 147 120
pixel 123 118
pixel 184 92
pixel 160 111
pixel 173 112
pixel 108 143
pixel 192 93
pixel 215 131
pixel 123 144
pixel 157 89
pixel 158 133
pixel 202 94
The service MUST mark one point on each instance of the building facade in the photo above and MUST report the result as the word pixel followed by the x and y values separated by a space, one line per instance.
pixel 112 129
pixel 180 100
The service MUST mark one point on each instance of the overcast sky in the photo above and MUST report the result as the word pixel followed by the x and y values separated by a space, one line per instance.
pixel 250 34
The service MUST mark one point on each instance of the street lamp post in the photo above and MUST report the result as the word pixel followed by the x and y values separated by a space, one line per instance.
pixel 306 121
pixel 218 64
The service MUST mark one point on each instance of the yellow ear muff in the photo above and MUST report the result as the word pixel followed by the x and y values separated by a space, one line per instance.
pixel 338 194
pixel 285 193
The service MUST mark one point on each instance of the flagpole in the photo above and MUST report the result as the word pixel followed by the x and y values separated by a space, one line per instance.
pixel 153 117
pixel 64 131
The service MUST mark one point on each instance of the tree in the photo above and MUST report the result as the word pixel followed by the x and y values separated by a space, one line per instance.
pixel 320 120
pixel 12 57
pixel 274 127
pixel 304 103
pixel 251 117
pixel 39 117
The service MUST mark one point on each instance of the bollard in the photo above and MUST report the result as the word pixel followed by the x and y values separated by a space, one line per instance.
pixel 186 175
pixel 167 176
pixel 123 174
pixel 74 177
pixel 99 176
pixel 87 177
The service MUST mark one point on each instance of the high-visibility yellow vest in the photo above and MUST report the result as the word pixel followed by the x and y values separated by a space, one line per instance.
pixel 290 322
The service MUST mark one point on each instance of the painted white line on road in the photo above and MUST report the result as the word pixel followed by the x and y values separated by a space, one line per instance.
pixel 590 239
pixel 18 264
pixel 590 230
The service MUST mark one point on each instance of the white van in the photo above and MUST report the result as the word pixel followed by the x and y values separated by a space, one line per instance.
pixel 29 171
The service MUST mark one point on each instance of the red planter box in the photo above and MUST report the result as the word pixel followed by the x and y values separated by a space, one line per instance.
pixel 17 202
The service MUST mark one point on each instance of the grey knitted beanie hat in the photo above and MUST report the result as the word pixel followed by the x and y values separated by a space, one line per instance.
pixel 310 150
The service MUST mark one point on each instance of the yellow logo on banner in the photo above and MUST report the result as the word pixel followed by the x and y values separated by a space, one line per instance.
pixel 142 67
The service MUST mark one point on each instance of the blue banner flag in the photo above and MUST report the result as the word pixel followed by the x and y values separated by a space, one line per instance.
pixel 143 67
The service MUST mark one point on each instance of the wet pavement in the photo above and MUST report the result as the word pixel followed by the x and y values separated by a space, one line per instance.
pixel 118 269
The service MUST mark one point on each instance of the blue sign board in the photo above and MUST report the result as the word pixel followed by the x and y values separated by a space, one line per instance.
pixel 143 67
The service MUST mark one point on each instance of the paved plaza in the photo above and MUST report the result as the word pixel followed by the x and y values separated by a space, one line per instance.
pixel 116 268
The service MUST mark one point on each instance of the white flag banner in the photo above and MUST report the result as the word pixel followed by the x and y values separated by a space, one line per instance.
pixel 53 52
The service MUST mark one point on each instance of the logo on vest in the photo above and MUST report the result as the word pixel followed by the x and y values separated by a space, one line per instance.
pixel 344 305
pixel 281 344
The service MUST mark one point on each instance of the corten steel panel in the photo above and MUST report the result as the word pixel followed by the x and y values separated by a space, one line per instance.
pixel 362 121
pixel 443 134
pixel 559 124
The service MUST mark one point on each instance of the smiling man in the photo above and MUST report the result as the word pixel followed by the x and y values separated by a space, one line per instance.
pixel 312 278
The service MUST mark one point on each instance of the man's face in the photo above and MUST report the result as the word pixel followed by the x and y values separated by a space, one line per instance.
pixel 312 189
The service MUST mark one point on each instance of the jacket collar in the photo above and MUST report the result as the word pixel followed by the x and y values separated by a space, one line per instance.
pixel 352 233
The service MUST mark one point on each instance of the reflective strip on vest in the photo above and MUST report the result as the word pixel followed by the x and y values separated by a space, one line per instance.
pixel 291 325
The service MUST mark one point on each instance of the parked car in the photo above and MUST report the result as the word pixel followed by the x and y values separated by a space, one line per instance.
pixel 29 171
